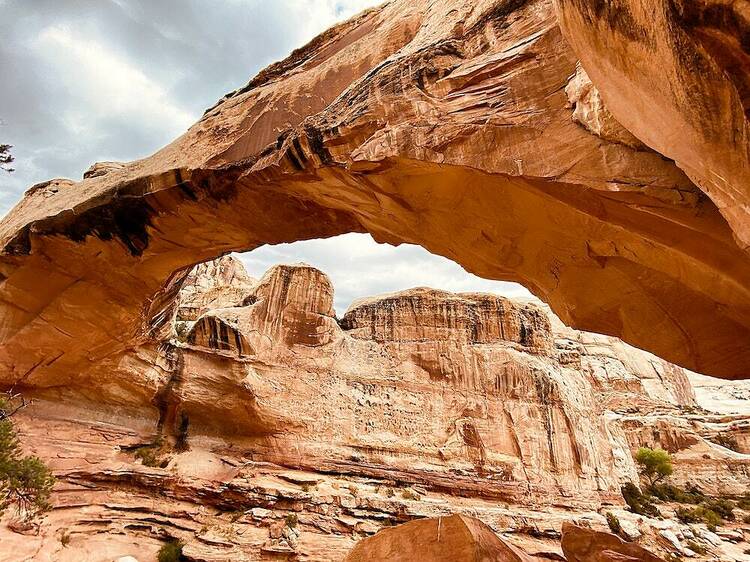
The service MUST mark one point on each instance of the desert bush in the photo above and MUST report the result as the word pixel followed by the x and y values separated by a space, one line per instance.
pixel 171 551
pixel 697 548
pixel 653 464
pixel 667 492
pixel 292 520
pixel 699 514
pixel 614 523
pixel 25 481
pixel 744 501
pixel 638 502
pixel 722 507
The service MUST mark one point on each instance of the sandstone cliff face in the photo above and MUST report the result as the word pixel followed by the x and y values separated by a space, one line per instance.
pixel 466 127
pixel 311 433
pixel 214 284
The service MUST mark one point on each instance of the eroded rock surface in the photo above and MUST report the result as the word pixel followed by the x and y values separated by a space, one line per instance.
pixel 314 433
pixel 445 539
pixel 462 126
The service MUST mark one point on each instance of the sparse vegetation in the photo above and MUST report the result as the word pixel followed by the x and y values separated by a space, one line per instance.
pixel 25 481
pixel 691 494
pixel 389 492
pixel 171 551
pixel 637 501
pixel 65 539
pixel 724 508
pixel 292 520
pixel 744 501
pixel 697 548
pixel 699 514
pixel 653 464
pixel 613 522
pixel 150 455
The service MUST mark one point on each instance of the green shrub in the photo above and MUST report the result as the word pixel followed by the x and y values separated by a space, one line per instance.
pixel 150 455
pixel 722 507
pixel 746 519
pixel 614 523
pixel 699 514
pixel 697 548
pixel 292 520
pixel 637 502
pixel 744 501
pixel 667 492
pixel 171 551
pixel 25 481
pixel 653 464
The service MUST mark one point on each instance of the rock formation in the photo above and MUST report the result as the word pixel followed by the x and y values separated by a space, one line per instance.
pixel 276 429
pixel 468 127
pixel 584 545
pixel 594 151
pixel 445 539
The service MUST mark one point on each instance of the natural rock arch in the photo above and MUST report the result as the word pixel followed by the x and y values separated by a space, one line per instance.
pixel 465 127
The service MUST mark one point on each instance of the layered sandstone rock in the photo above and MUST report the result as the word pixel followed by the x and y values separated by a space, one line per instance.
pixel 313 433
pixel 466 127
pixel 214 284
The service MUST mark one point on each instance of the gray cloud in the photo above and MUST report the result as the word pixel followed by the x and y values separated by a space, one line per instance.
pixel 91 80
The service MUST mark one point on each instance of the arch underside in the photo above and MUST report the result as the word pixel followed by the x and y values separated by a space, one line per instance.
pixel 404 124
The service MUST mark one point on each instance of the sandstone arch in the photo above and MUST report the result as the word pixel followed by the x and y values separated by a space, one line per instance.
pixel 466 127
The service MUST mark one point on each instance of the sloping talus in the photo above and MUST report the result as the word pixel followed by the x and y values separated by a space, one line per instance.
pixel 467 127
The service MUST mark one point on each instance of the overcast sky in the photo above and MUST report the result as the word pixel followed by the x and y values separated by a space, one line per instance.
pixel 90 80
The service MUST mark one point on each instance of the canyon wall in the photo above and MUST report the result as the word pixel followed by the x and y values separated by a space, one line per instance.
pixel 277 429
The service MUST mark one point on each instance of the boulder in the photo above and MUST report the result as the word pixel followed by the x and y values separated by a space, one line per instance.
pixel 457 538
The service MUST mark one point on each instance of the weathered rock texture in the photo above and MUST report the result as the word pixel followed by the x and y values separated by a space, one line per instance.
pixel 584 545
pixel 445 539
pixel 468 127
pixel 676 73
pixel 306 434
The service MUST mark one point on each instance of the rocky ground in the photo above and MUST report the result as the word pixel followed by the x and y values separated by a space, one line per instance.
pixel 283 432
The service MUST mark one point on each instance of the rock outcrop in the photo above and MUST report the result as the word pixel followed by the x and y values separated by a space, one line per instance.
pixel 445 539
pixel 580 544
pixel 466 127
pixel 220 283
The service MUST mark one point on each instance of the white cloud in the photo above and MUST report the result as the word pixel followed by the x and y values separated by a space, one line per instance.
pixel 105 84
pixel 360 267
